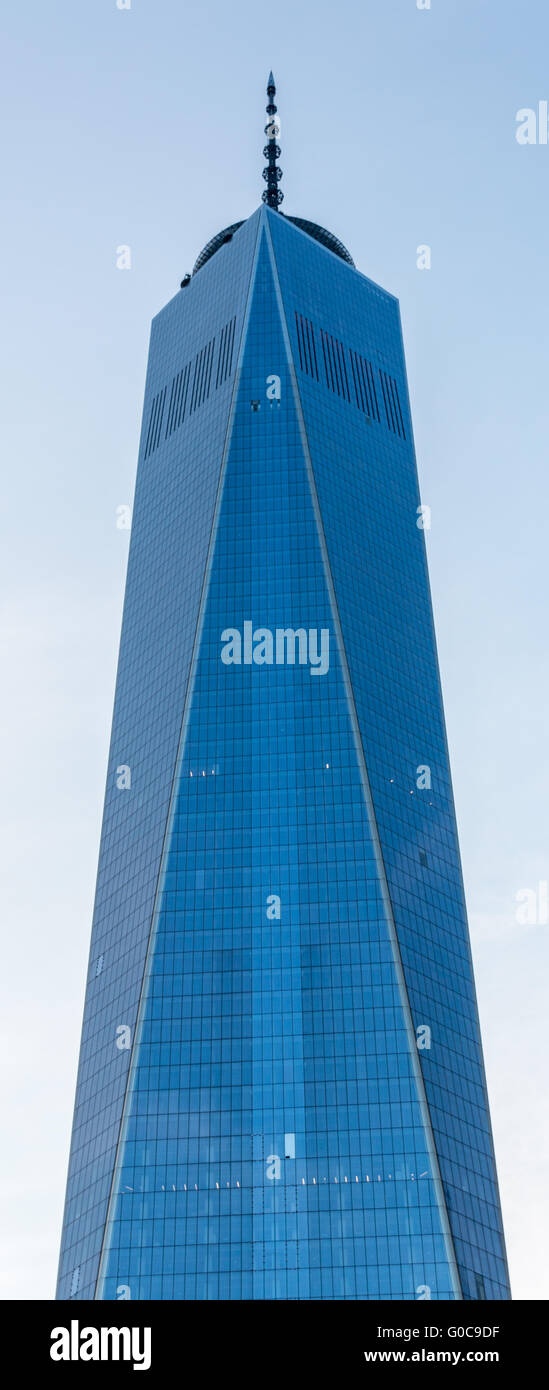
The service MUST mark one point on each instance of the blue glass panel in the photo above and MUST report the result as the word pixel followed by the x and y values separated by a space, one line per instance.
pixel 274 1144
pixel 366 478
pixel 172 517
pixel 279 903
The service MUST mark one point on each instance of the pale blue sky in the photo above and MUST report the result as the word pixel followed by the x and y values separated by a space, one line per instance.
pixel 145 127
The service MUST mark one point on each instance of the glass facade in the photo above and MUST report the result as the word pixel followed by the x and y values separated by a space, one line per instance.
pixel 281 1091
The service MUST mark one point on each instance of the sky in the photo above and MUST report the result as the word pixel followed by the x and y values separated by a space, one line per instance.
pixel 143 127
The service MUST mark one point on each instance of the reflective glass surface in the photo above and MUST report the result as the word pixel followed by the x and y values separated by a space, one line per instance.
pixel 281 1091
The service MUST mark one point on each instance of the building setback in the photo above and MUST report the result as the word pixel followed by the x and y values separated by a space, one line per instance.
pixel 281 1091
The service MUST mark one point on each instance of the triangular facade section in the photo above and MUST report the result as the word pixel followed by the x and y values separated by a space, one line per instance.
pixel 346 342
pixel 193 356
pixel 275 1142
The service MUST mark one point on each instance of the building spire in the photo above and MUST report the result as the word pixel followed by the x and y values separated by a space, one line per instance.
pixel 272 194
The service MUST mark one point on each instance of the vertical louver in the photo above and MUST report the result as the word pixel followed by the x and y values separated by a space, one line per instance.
pixel 190 387
pixel 349 375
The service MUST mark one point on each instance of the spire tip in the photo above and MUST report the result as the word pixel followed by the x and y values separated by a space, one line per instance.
pixel 272 194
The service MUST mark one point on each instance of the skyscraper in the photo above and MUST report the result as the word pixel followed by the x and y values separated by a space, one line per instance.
pixel 281 1091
